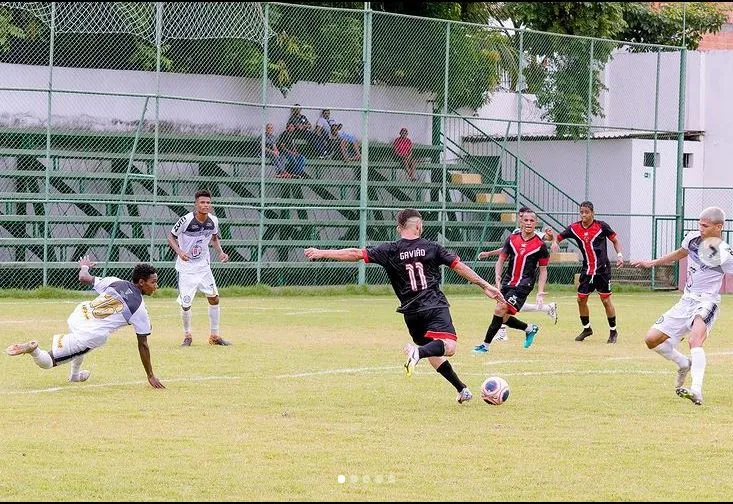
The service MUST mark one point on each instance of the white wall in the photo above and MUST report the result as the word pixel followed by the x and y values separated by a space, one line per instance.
pixel 94 112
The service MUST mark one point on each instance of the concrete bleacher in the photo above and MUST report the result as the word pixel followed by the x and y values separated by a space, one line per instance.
pixel 81 180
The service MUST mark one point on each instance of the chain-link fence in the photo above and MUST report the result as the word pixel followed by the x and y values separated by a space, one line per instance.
pixel 116 113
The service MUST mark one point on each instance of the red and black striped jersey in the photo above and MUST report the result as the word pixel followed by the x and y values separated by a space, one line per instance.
pixel 413 268
pixel 592 243
pixel 524 256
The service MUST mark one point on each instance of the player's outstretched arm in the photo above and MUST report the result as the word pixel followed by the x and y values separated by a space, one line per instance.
pixel 489 253
pixel 142 347
pixel 85 264
pixel 665 259
pixel 347 254
pixel 466 272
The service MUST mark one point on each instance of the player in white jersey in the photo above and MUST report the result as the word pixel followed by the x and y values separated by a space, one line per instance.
pixel 698 308
pixel 118 304
pixel 189 239
pixel 549 308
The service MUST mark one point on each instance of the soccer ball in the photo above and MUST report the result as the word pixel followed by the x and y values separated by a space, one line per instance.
pixel 713 252
pixel 494 390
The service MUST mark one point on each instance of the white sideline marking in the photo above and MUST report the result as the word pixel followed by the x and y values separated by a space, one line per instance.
pixel 316 310
pixel 365 370
pixel 118 384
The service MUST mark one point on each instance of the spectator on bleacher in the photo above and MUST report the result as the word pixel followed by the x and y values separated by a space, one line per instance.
pixel 303 130
pixel 323 130
pixel 273 152
pixel 286 144
pixel 403 152
pixel 347 143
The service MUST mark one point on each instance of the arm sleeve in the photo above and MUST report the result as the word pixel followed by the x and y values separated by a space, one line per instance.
pixel 100 284
pixel 379 254
pixel 607 231
pixel 686 241
pixel 566 233
pixel 544 255
pixel 179 226
pixel 447 257
pixel 140 320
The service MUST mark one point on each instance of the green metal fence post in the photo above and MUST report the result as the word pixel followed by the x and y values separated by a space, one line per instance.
pixel 589 120
pixel 48 145
pixel 654 166
pixel 444 119
pixel 520 88
pixel 156 135
pixel 363 186
pixel 680 205
pixel 265 62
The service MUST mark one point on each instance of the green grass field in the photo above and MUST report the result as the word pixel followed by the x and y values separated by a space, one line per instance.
pixel 311 403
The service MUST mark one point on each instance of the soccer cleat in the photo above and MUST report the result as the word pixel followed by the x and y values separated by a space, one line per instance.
pixel 552 312
pixel 464 396
pixel 529 337
pixel 682 375
pixel 413 355
pixel 482 348
pixel 216 340
pixel 586 332
pixel 82 377
pixel 693 396
pixel 501 335
pixel 612 337
pixel 187 340
pixel 21 348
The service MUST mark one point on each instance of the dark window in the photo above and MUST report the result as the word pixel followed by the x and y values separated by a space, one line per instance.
pixel 649 158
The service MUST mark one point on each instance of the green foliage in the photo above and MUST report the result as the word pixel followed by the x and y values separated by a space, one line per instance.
pixel 8 30
pixel 664 24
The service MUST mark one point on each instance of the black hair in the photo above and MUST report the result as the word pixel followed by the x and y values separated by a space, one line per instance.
pixel 405 215
pixel 588 205
pixel 202 193
pixel 525 209
pixel 142 271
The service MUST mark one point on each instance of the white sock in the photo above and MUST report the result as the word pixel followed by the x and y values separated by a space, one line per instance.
pixel 42 358
pixel 186 319
pixel 76 366
pixel 666 350
pixel 697 356
pixel 214 319
pixel 535 307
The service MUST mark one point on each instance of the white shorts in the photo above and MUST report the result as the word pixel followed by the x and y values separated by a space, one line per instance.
pixel 677 321
pixel 191 282
pixel 68 346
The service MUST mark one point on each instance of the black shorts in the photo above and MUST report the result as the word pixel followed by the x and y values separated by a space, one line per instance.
pixel 600 282
pixel 515 297
pixel 428 325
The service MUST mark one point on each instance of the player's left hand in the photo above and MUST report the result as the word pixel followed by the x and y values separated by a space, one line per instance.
pixel 312 253
pixel 223 257
pixel 86 261
pixel 154 382
pixel 619 261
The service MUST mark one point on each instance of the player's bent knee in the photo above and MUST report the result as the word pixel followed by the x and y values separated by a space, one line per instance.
pixel 450 347
pixel 214 300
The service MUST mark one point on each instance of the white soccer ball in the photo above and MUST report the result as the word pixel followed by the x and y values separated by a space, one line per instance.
pixel 494 390
pixel 713 252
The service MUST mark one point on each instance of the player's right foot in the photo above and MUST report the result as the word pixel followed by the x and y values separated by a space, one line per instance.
pixel 612 337
pixel 464 396
pixel 481 349
pixel 413 355
pixel 81 377
pixel 682 375
pixel 529 336
pixel 552 312
pixel 586 332
pixel 693 396
pixel 217 340
pixel 21 348
pixel 187 340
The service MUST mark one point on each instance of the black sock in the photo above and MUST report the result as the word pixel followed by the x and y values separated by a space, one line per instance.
pixel 515 323
pixel 612 323
pixel 585 321
pixel 493 328
pixel 446 370
pixel 435 348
